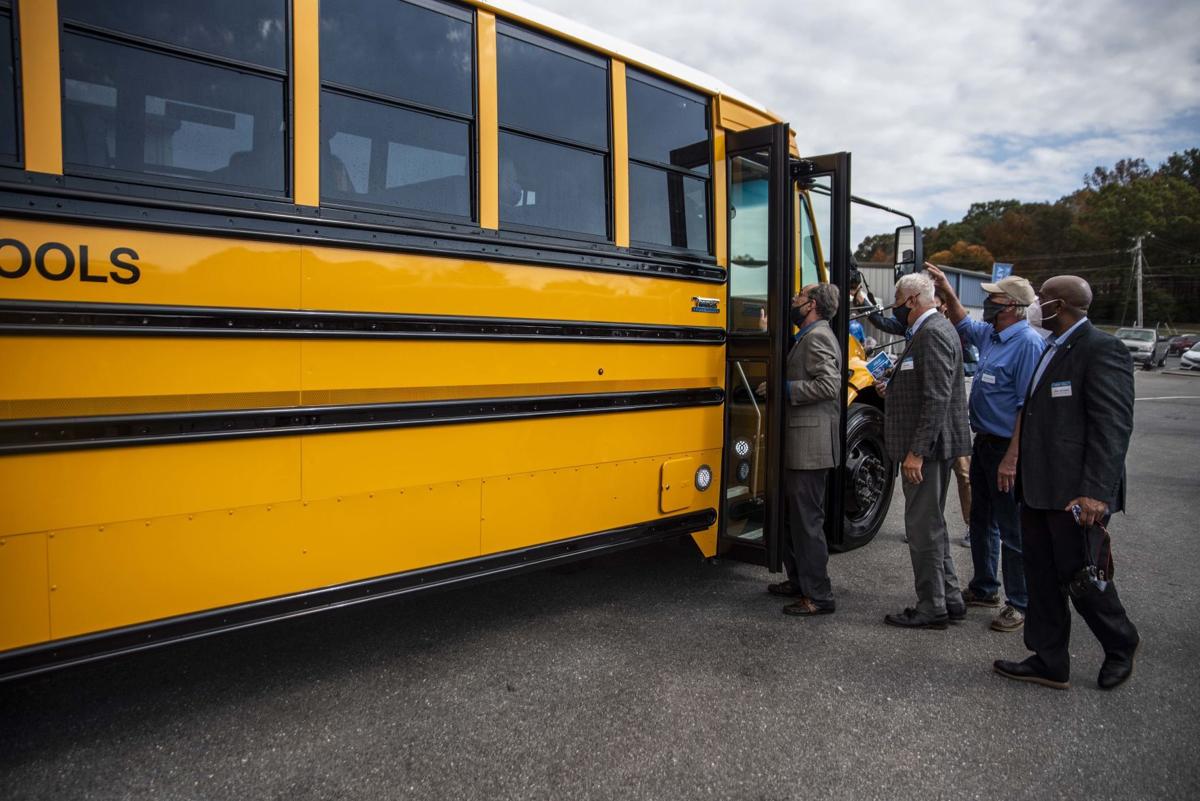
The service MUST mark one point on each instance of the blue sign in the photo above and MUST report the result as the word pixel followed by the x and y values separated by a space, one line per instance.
pixel 1000 270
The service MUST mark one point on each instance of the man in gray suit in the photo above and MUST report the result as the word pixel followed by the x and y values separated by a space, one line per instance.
pixel 925 430
pixel 811 447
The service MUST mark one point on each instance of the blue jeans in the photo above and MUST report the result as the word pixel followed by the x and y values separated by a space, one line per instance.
pixel 995 527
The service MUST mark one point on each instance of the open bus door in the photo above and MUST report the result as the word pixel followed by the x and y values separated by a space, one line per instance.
pixel 762 241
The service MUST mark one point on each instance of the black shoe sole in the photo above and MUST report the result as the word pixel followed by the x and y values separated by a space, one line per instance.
pixel 1042 680
pixel 933 625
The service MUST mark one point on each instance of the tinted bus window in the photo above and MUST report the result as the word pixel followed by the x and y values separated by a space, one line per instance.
pixel 8 91
pixel 669 154
pixel 553 113
pixel 547 185
pixel 253 31
pixel 397 105
pixel 547 92
pixel 404 51
pixel 388 156
pixel 667 208
pixel 666 127
pixel 135 111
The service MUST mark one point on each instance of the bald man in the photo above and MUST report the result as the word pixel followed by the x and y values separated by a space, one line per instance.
pixel 1074 432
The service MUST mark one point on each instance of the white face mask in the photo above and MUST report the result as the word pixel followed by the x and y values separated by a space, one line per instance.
pixel 1034 315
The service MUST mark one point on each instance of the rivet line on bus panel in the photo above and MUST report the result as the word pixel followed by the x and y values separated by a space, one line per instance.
pixel 41 435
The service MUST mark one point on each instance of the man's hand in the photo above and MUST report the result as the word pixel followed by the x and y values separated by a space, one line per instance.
pixel 1091 511
pixel 1006 475
pixel 762 319
pixel 939 278
pixel 911 468
pixel 761 391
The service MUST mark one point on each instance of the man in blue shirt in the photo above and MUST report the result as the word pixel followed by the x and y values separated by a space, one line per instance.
pixel 1009 350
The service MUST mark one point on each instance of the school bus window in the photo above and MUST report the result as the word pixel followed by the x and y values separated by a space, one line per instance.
pixel 252 31
pixel 397 105
pixel 669 156
pixel 8 93
pixel 152 113
pixel 553 114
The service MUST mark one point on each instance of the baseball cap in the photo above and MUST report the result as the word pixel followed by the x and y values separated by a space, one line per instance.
pixel 1015 287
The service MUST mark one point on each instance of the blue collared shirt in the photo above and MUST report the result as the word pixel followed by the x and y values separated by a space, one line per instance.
pixel 1052 343
pixel 1007 361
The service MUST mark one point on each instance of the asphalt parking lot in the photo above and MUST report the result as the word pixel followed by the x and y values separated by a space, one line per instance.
pixel 653 674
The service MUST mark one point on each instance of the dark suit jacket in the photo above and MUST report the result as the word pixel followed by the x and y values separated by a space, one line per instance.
pixel 1075 444
pixel 926 406
pixel 814 400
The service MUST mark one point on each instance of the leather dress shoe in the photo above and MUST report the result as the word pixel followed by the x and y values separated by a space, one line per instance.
pixel 1116 669
pixel 784 588
pixel 912 619
pixel 807 607
pixel 956 614
pixel 1026 671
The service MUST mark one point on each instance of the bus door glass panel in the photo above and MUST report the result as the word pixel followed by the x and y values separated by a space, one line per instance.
pixel 749 291
pixel 819 231
pixel 807 251
pixel 749 240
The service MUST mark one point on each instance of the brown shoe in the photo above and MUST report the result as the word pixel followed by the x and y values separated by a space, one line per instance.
pixel 807 607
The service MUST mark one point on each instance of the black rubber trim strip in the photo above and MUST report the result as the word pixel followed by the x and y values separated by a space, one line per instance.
pixel 100 202
pixel 92 647
pixel 43 435
pixel 47 318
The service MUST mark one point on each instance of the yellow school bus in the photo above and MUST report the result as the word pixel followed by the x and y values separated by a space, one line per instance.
pixel 311 302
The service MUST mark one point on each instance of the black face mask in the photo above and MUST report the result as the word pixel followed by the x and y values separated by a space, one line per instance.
pixel 992 309
pixel 798 313
pixel 901 314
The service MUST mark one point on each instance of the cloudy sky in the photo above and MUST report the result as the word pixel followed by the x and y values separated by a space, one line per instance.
pixel 944 103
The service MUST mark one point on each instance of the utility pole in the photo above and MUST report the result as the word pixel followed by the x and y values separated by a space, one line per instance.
pixel 1137 272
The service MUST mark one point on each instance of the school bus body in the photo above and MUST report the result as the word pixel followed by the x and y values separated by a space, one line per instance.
pixel 219 412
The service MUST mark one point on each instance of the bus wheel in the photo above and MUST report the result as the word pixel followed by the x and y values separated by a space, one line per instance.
pixel 869 477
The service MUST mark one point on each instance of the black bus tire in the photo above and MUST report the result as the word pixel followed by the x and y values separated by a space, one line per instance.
pixel 869 478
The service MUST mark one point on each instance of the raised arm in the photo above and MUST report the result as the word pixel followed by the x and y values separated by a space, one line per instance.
pixel 954 308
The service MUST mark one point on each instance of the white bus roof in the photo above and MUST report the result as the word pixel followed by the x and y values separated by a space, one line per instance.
pixel 626 51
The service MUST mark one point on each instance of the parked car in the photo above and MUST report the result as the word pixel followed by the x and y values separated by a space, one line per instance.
pixel 1191 358
pixel 1145 346
pixel 1178 345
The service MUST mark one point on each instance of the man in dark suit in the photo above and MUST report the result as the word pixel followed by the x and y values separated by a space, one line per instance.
pixel 812 446
pixel 1074 430
pixel 925 430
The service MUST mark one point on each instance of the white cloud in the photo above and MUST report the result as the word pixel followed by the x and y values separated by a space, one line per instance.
pixel 945 103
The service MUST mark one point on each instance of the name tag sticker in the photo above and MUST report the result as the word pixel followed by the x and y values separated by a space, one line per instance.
pixel 987 378
pixel 1060 389
pixel 907 364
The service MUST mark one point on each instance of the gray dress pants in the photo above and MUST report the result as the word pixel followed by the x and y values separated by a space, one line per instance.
pixel 806 554
pixel 929 542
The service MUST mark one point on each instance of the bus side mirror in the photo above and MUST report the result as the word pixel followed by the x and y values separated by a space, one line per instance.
pixel 907 247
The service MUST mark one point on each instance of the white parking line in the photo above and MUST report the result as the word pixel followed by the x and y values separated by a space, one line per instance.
pixel 1173 397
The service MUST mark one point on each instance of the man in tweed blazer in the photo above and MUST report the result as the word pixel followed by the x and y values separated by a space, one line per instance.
pixel 812 446
pixel 925 430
